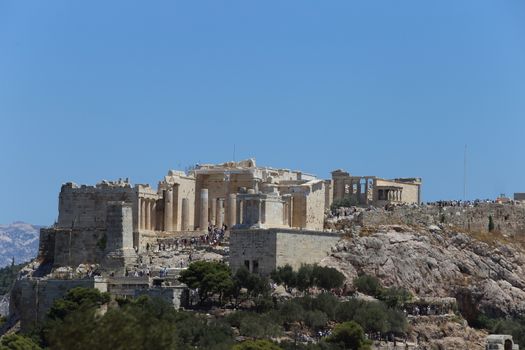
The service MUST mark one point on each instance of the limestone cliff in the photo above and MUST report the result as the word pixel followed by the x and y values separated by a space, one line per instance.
pixel 483 271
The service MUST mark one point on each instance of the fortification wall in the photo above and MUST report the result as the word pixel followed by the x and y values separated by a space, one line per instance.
pixel 78 246
pixel 112 246
pixel 31 300
pixel 508 218
pixel 85 206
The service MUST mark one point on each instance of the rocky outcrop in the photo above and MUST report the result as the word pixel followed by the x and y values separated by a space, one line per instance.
pixel 438 262
pixel 441 333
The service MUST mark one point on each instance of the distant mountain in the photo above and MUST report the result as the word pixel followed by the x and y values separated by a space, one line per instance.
pixel 18 240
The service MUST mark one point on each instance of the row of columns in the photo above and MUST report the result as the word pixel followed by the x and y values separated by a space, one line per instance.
pixel 394 195
pixel 147 213
pixel 217 211
pixel 214 211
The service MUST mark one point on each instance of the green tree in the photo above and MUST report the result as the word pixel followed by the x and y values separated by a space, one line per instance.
pixel 350 335
pixel 284 275
pixel 305 277
pixel 291 311
pixel 18 342
pixel 8 276
pixel 76 299
pixel 315 319
pixel 255 284
pixel 346 311
pixel 327 277
pixel 491 223
pixel 209 277
pixel 259 344
pixel 373 317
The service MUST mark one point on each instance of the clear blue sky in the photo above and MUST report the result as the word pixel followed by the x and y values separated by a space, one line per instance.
pixel 94 90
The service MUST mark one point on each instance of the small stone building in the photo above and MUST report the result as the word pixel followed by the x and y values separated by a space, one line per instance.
pixel 263 250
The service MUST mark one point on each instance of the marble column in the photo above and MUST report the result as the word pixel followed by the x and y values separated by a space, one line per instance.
pixel 148 215
pixel 213 210
pixel 203 223
pixel 232 210
pixel 290 212
pixel 185 211
pixel 175 200
pixel 218 213
pixel 259 207
pixel 239 213
pixel 168 210
pixel 154 215
pixel 142 213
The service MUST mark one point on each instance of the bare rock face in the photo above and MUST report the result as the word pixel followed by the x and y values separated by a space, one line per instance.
pixel 438 262
pixel 442 333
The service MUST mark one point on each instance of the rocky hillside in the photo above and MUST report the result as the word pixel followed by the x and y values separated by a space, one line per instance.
pixel 484 272
pixel 18 240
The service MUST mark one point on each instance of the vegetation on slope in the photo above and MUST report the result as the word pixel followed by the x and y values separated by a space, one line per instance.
pixel 8 276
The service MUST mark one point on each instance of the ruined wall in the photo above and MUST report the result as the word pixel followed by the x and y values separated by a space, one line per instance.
pixel 276 247
pixel 299 210
pixel 46 245
pixel 112 247
pixel 78 246
pixel 85 206
pixel 315 206
pixel 186 190
pixel 31 300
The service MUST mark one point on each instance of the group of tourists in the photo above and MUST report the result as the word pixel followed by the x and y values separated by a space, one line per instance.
pixel 341 212
pixel 459 203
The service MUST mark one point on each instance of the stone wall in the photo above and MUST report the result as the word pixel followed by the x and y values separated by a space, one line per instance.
pixel 31 300
pixel 508 218
pixel 265 250
pixel 77 246
pixel 111 246
pixel 85 206
pixel 410 192
pixel 315 206
pixel 303 247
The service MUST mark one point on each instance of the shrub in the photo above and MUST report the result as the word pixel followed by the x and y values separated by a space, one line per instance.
pixel 350 335
pixel 258 344
pixel 284 275
pixel 395 297
pixel 346 310
pixel 315 319
pixel 368 285
pixel 327 277
pixel 347 201
pixel 18 342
